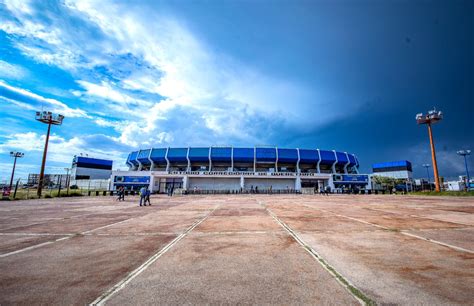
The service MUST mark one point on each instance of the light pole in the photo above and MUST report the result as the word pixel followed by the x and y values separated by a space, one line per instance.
pixel 67 180
pixel 432 117
pixel 15 155
pixel 50 119
pixel 428 173
pixel 465 153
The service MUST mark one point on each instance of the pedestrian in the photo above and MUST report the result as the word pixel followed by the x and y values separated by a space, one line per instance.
pixel 328 190
pixel 119 193
pixel 123 194
pixel 143 195
pixel 172 190
pixel 147 197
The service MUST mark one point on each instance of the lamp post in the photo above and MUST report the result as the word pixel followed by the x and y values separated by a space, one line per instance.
pixel 50 119
pixel 67 180
pixel 428 173
pixel 15 155
pixel 465 153
pixel 432 117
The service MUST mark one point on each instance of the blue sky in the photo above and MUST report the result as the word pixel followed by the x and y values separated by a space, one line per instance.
pixel 345 75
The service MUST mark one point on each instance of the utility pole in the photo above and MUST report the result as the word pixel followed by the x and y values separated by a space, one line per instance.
pixel 67 180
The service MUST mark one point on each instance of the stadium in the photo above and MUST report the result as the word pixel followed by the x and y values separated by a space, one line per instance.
pixel 239 169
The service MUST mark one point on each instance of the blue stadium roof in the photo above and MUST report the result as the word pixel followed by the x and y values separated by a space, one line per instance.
pixel 241 155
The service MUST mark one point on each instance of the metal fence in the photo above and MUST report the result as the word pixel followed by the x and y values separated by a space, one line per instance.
pixel 22 189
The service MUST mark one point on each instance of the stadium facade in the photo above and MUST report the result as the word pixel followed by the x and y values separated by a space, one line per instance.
pixel 234 169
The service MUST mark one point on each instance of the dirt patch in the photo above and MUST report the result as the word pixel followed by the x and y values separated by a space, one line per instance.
pixel 74 271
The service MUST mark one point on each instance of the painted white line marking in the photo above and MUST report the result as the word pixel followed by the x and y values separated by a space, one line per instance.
pixel 315 255
pixel 438 242
pixel 121 284
pixel 34 234
pixel 403 232
pixel 34 247
pixel 60 239
pixel 48 221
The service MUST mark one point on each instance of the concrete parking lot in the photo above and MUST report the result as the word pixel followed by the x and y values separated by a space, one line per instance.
pixel 238 249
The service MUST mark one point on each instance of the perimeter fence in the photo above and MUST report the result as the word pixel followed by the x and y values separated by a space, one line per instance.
pixel 21 189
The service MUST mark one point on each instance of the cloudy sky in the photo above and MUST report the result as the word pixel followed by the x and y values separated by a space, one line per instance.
pixel 347 75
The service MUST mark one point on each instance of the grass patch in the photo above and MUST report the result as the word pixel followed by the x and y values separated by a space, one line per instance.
pixel 446 193
pixel 29 194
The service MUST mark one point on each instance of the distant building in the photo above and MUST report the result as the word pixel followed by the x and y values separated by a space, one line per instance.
pixel 87 168
pixel 401 169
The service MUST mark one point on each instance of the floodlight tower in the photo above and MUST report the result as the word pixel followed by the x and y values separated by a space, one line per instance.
pixel 432 117
pixel 465 153
pixel 50 119
pixel 15 155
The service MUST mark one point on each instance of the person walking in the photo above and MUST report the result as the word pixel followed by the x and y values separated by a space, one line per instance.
pixel 121 194
pixel 143 191
pixel 147 197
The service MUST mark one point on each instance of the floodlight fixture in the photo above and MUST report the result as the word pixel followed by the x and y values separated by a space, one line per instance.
pixel 465 153
pixel 50 119
pixel 433 116
pixel 15 155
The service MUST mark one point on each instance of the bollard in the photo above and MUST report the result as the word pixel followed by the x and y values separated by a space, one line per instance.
pixel 89 193
pixel 111 193
pixel 104 193
pixel 96 192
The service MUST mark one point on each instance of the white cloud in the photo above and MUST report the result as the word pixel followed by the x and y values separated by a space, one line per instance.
pixel 61 150
pixel 29 100
pixel 207 97
pixel 106 91
pixel 12 71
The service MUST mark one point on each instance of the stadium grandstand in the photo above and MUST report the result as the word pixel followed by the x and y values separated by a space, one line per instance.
pixel 238 169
